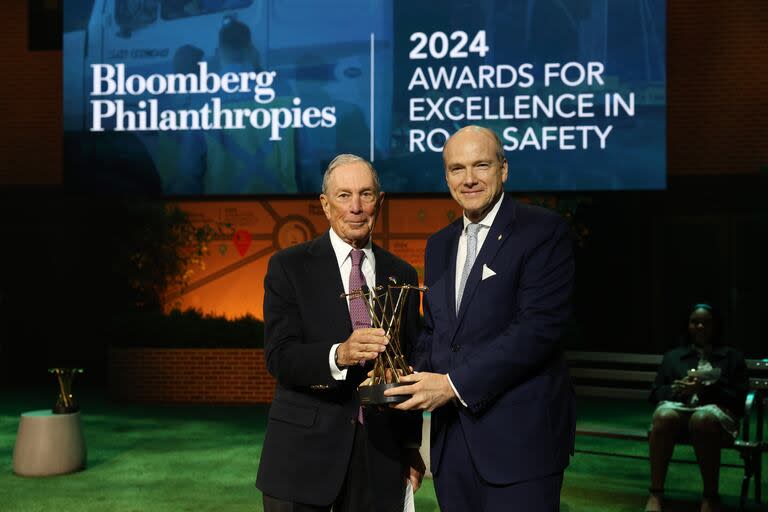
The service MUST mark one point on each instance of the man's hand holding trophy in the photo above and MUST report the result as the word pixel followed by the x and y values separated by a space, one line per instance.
pixel 385 305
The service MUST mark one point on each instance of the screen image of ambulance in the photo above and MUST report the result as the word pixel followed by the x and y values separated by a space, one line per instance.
pixel 322 52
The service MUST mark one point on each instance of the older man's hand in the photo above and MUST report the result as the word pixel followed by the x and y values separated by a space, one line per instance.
pixel 362 345
pixel 416 468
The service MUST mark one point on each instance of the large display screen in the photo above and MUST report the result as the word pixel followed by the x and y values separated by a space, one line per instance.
pixel 231 97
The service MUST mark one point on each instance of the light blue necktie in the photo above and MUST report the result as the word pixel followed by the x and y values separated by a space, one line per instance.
pixel 472 230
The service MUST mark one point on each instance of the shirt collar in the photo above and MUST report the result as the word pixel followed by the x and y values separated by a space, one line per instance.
pixel 342 249
pixel 488 219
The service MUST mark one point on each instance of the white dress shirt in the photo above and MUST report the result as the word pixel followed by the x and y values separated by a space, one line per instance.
pixel 343 252
pixel 461 257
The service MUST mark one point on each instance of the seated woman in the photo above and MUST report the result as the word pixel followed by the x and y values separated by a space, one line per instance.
pixel 700 390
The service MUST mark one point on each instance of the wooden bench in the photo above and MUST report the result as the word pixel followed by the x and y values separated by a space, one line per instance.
pixel 624 375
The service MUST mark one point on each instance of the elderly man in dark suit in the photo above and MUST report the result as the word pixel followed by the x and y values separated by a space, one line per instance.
pixel 491 364
pixel 321 448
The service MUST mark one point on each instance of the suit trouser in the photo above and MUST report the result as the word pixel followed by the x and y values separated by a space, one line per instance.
pixel 355 494
pixel 459 487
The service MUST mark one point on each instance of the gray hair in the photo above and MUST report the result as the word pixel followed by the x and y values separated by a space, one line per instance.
pixel 345 159
pixel 487 131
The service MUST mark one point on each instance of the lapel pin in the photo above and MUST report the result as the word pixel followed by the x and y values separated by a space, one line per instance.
pixel 499 238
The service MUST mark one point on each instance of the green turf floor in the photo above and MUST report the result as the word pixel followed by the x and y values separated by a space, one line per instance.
pixel 204 458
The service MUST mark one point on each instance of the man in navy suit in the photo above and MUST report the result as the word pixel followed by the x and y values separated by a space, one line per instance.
pixel 490 364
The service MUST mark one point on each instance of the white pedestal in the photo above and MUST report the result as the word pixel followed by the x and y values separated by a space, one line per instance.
pixel 48 444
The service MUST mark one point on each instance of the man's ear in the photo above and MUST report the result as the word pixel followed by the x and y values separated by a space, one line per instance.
pixel 326 206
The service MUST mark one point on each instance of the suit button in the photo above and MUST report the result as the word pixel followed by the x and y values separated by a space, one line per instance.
pixel 455 348
pixel 352 421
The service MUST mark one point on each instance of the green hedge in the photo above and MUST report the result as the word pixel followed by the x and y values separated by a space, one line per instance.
pixel 189 328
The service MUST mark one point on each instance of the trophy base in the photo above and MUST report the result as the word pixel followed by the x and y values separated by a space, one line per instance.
pixel 374 395
pixel 61 409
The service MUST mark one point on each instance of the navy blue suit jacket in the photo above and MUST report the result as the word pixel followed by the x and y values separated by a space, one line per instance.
pixel 503 352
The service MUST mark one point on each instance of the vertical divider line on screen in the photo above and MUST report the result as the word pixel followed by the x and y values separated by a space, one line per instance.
pixel 373 42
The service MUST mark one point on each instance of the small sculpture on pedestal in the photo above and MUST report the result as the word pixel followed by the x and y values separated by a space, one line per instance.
pixel 65 404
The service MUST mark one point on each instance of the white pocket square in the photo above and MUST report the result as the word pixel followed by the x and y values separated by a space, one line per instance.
pixel 487 272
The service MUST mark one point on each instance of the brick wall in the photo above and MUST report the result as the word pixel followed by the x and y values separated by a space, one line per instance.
pixel 30 105
pixel 193 375
pixel 717 88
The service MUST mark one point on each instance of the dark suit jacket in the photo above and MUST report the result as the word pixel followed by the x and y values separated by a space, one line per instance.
pixel 312 419
pixel 503 351
pixel 729 391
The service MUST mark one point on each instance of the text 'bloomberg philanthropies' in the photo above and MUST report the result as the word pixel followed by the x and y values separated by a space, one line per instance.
pixel 141 112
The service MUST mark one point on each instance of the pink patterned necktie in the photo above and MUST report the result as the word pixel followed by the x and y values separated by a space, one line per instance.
pixel 358 310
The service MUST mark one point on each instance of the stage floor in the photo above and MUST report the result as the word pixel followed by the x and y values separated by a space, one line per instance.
pixel 199 458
